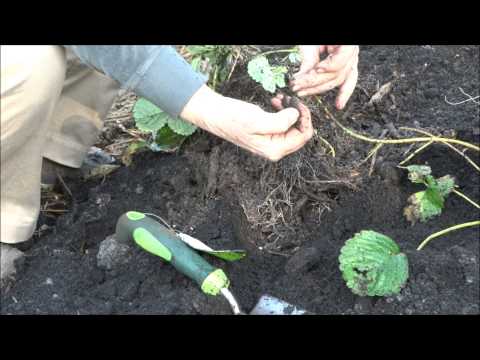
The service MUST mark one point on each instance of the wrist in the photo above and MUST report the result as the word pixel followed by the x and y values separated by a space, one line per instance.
pixel 205 106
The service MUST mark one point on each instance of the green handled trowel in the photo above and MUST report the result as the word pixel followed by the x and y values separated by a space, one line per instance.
pixel 178 250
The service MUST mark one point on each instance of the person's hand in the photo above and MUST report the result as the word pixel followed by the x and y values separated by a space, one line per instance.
pixel 340 68
pixel 270 135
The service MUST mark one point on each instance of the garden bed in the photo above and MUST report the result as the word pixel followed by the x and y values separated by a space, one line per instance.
pixel 292 216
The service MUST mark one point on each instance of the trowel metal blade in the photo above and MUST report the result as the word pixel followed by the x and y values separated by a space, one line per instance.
pixel 269 305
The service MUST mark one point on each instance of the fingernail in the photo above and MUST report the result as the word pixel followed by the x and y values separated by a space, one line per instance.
pixel 295 88
pixel 301 93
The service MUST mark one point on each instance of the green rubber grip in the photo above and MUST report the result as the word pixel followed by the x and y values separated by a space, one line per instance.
pixel 163 242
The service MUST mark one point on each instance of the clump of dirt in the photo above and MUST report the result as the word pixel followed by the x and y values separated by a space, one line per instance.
pixel 292 216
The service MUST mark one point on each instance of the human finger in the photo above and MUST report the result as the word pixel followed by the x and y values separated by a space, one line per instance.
pixel 338 59
pixel 347 88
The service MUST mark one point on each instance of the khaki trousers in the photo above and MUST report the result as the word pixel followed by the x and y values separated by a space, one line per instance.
pixel 52 106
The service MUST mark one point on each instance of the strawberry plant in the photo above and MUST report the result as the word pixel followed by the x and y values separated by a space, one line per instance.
pixel 372 264
pixel 429 203
pixel 424 205
pixel 167 132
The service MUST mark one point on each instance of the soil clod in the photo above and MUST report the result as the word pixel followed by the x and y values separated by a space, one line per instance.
pixel 112 253
pixel 302 260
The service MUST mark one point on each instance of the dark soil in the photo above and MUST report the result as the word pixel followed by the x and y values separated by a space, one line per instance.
pixel 292 231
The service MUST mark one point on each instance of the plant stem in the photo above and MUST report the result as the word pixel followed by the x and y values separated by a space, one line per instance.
pixel 372 152
pixel 466 198
pixel 445 231
pixel 214 85
pixel 233 67
pixel 443 140
pixel 449 145
pixel 332 149
pixel 423 147
pixel 394 141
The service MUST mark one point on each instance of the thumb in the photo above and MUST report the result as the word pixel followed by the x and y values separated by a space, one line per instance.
pixel 276 123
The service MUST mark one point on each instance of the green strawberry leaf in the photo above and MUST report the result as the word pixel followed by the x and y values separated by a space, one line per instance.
pixel 424 205
pixel 445 185
pixel 258 68
pixel 280 80
pixel 269 83
pixel 148 117
pixel 270 77
pixel 167 140
pixel 181 127
pixel 372 264
pixel 417 173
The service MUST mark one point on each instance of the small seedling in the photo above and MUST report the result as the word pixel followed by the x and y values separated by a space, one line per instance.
pixel 424 205
pixel 372 264
pixel 269 76
pixel 429 203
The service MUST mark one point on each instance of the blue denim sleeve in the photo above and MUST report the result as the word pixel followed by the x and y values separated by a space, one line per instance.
pixel 155 72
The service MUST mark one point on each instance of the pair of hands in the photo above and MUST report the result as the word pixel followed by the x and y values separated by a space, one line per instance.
pixel 272 135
